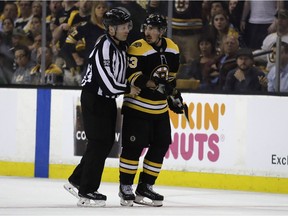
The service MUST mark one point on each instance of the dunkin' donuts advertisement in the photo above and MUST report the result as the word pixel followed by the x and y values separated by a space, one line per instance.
pixel 80 140
pixel 224 134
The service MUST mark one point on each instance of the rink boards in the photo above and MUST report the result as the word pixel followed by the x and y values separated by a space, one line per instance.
pixel 230 142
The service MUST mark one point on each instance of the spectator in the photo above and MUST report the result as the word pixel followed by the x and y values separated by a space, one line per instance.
pixel 206 10
pixel 157 7
pixel 203 68
pixel 220 28
pixel 137 14
pixel 76 18
pixel 269 42
pixel 53 74
pixel 10 11
pixel 187 26
pixel 35 27
pixel 283 85
pixel 235 12
pixel 245 77
pixel 24 65
pixel 36 16
pixel 227 61
pixel 37 8
pixel 81 41
pixel 217 7
pixel 23 21
pixel 232 5
pixel 7 29
pixel 19 37
pixel 6 62
pixel 5 72
pixel 60 32
pixel 34 47
pixel 259 23
pixel 55 8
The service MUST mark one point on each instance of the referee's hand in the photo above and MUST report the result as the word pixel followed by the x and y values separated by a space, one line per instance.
pixel 134 91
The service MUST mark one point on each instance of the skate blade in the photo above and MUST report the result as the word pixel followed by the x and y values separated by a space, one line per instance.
pixel 128 203
pixel 71 189
pixel 146 201
pixel 84 202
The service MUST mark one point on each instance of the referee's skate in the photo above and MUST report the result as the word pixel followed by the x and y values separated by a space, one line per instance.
pixel 72 189
pixel 94 199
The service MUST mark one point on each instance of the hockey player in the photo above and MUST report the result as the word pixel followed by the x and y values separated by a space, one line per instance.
pixel 103 82
pixel 153 63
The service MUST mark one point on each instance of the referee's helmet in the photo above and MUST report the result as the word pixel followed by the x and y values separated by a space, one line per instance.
pixel 115 17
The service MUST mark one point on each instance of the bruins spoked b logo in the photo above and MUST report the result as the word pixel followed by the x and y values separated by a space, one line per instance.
pixel 161 72
pixel 132 138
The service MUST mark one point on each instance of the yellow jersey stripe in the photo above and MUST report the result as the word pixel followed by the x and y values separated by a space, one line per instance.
pixel 144 100
pixel 133 106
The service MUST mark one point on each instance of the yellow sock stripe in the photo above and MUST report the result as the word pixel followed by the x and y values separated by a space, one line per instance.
pixel 128 166
pixel 150 163
pixel 127 171
pixel 126 161
pixel 149 172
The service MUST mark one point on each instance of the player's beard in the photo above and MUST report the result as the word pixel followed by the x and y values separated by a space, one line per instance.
pixel 148 39
pixel 243 67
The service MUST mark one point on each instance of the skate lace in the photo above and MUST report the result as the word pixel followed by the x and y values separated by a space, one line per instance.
pixel 127 189
pixel 94 194
pixel 150 188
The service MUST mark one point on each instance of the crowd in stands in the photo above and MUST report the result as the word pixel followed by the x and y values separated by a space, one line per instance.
pixel 224 45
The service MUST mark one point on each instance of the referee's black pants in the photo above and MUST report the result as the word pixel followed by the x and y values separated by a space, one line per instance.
pixel 99 118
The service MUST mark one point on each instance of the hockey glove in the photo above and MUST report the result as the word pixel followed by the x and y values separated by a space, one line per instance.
pixel 175 103
pixel 164 87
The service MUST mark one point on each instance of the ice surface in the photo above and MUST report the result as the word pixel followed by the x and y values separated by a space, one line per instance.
pixel 37 196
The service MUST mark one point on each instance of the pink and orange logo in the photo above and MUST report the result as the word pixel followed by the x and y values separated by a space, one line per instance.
pixel 198 137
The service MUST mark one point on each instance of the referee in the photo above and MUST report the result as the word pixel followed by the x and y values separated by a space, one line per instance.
pixel 103 82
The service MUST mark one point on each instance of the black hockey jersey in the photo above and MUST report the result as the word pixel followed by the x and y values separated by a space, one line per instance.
pixel 146 62
pixel 187 16
pixel 87 33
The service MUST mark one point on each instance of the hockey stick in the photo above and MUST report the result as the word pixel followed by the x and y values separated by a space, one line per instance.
pixel 185 112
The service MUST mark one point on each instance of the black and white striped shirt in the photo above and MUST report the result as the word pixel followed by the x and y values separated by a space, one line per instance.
pixel 106 69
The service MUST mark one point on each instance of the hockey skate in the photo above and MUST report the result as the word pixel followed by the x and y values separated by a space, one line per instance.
pixel 146 196
pixel 94 199
pixel 72 189
pixel 126 195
